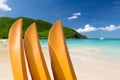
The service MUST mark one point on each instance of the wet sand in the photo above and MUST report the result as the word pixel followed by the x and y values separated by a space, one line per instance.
pixel 89 64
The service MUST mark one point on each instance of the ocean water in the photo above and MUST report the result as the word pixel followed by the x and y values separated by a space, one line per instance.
pixel 108 47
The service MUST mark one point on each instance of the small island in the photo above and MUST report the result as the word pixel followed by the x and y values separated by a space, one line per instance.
pixel 43 28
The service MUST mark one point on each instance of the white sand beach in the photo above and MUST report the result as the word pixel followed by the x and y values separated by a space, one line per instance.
pixel 88 64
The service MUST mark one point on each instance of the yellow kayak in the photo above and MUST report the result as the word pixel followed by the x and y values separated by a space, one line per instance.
pixel 35 58
pixel 60 59
pixel 17 52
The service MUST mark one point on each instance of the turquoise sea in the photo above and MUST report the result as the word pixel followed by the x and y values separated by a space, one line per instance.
pixel 109 47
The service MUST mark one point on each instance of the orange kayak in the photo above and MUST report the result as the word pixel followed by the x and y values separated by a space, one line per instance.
pixel 60 59
pixel 35 58
pixel 17 52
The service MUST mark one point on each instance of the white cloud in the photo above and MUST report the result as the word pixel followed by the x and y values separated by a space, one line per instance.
pixel 74 16
pixel 77 14
pixel 89 28
pixel 111 28
pixel 4 6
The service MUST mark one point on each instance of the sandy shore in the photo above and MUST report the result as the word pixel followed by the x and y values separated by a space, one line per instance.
pixel 89 64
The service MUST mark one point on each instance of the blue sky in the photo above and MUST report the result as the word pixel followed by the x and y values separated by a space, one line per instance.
pixel 89 17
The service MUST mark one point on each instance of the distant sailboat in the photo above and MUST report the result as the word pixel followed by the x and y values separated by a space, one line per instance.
pixel 102 38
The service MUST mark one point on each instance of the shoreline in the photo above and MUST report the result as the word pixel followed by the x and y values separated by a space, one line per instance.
pixel 88 64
